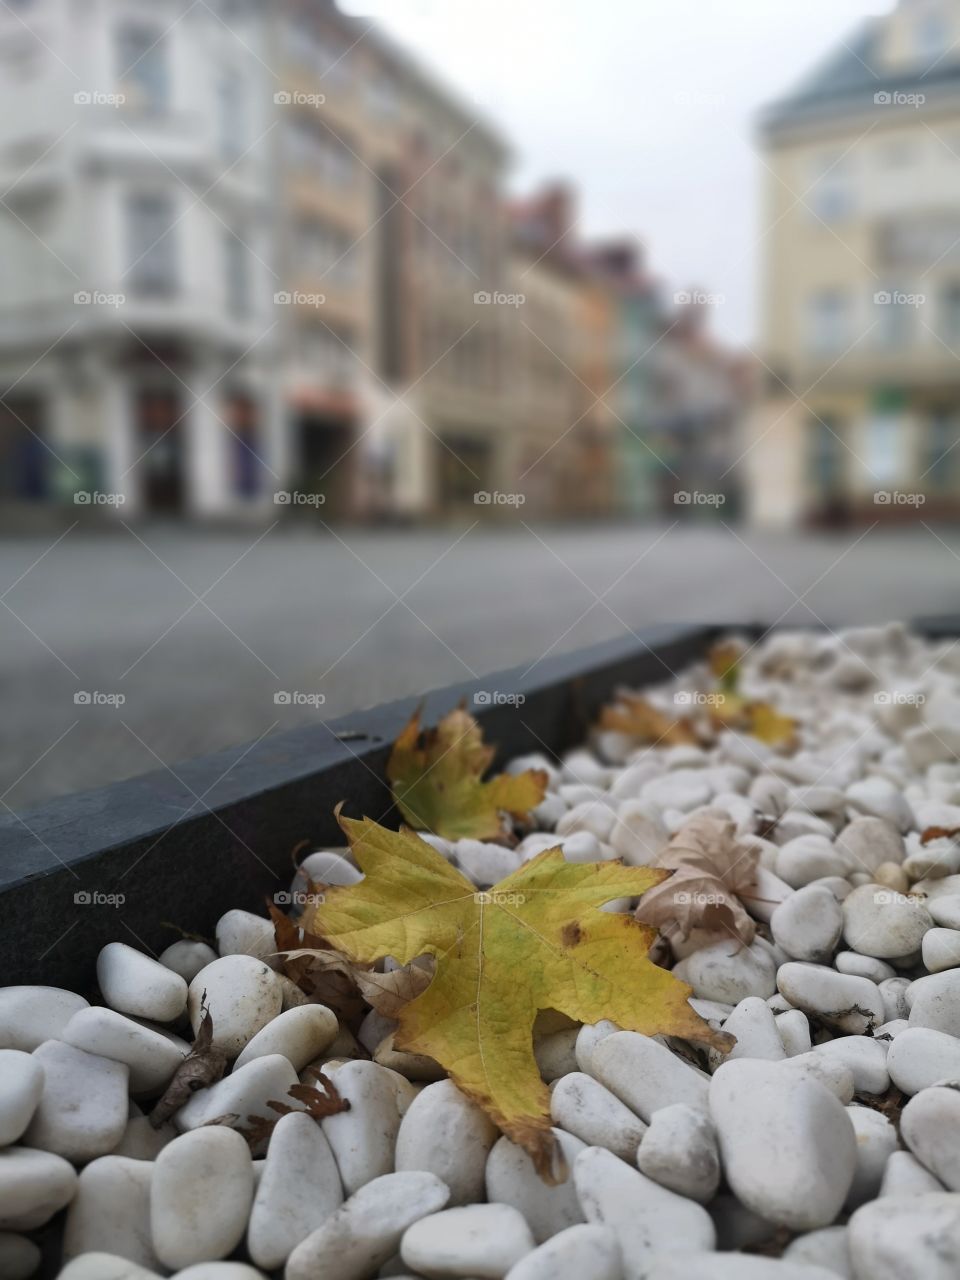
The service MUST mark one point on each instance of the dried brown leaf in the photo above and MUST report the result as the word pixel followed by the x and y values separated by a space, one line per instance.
pixel 634 716
pixel 712 869
pixel 203 1066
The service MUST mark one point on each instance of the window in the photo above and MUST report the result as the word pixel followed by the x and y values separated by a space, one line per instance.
pixel 231 122
pixel 326 253
pixel 151 245
pixel 325 357
pixel 315 150
pixel 826 457
pixel 950 314
pixel 885 447
pixel 943 435
pixel 831 191
pixel 143 71
pixel 236 259
pixel 894 316
pixel 828 322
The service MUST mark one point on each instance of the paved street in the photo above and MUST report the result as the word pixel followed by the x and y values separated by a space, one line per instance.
pixel 199 631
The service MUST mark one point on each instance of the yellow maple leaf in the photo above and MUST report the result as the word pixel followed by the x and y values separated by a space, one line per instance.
pixel 760 719
pixel 436 775
pixel 537 940
pixel 635 716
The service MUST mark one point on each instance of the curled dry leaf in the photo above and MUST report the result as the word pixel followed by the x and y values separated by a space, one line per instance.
pixel 537 940
pixel 203 1066
pixel 939 833
pixel 316 1102
pixel 436 775
pixel 712 870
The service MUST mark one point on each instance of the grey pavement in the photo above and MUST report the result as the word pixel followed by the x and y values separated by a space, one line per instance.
pixel 199 630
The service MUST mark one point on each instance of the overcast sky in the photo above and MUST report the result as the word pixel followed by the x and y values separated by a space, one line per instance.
pixel 647 104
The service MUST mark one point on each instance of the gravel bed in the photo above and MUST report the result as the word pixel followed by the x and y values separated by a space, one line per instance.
pixel 825 1144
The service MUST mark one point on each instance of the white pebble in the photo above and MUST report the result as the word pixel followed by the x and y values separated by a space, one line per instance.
pixel 150 1057
pixel 582 1106
pixel 82 1111
pixel 914 1239
pixel 133 983
pixel 110 1212
pixel 482 1240
pixel 446 1134
pixel 244 1093
pixel 31 1015
pixel 21 1086
pixel 512 1179
pixel 300 1035
pixel 242 995
pixel 645 1075
pixel 200 1196
pixel 575 1254
pixel 679 1151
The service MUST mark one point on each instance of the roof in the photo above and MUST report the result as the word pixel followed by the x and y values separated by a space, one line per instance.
pixel 845 83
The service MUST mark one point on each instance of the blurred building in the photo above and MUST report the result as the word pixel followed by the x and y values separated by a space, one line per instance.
pixel 135 334
pixel 861 312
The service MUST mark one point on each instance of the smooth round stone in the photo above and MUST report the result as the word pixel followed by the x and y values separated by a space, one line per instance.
pixel 19 1257
pixel 794 1032
pixel 930 1126
pixel 187 958
pixel 941 949
pixel 850 1005
pixel 917 1238
pixel 363 1138
pixel 134 983
pixel 512 1179
pixel 594 815
pixel 110 1212
pixel 906 1176
pixel 945 911
pixel 21 1085
pixel 647 1219
pixel 892 876
pixel 859 966
pixel 827 1248
pixel 732 1266
pixel 105 1266
pixel 729 974
pixel 556 1054
pixel 833 1074
pixel 241 933
pixel 679 1151
pixel 141 1141
pixel 220 1271
pixel 934 1002
pixel 868 842
pixel 333 866
pixel 34 1185
pixel 298 1190
pixel 876 1142
pixel 638 833
pixel 645 1075
pixel 242 994
pixel 200 1196
pixel 300 1035
pixel 809 857
pixel 488 864
pixel 591 1033
pixel 878 922
pixel 879 798
pixel 82 1111
pixel 893 991
pixel 755 1027
pixel 582 1106
pixel 31 1015
pixel 151 1058
pixel 573 1254
pixel 244 1093
pixel 482 1240
pixel 866 1058
pixel 808 924
pixel 788 1148
pixel 683 789
pixel 767 893
pixel 366 1231
pixel 920 1057
pixel 444 1133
